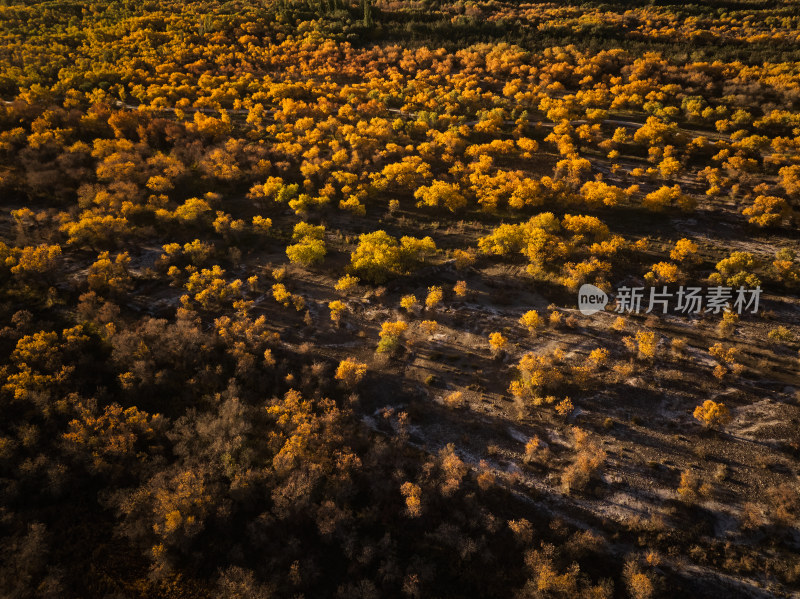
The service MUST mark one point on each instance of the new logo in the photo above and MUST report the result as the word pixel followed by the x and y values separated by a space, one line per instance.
pixel 591 299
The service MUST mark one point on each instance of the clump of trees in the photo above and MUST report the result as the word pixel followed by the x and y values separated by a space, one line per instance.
pixel 309 247
pixel 379 256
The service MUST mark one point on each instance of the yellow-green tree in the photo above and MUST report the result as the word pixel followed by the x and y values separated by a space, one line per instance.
pixel 379 256
pixel 441 193
pixel 310 247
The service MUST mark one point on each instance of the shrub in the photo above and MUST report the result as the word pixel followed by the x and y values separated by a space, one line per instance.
pixel 413 495
pixel 497 341
pixel 784 504
pixel 346 283
pixel 307 252
pixel 428 326
pixel 262 225
pixel 534 448
pixel 666 197
pixel 712 414
pixel 727 325
pixel 768 211
pixel 685 250
pixel 588 460
pixel 781 334
pixel 434 298
pixel 390 335
pixel 454 399
pixel 644 343
pixel 691 486
pixel 350 372
pixel 565 407
pixel 310 247
pixel 531 321
pixel 336 307
pixel 663 272
pixel 598 357
pixel 107 276
pixel 638 582
pixel 786 268
pixel 464 258
pixel 281 294
pixel 409 303
pixel 440 193
pixel 379 256
pixel 597 194
pixel 536 374
pixel 734 271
